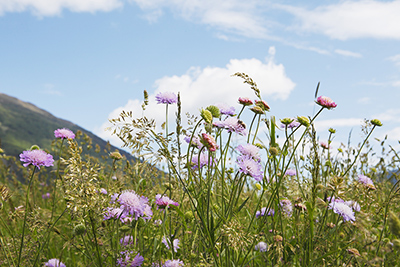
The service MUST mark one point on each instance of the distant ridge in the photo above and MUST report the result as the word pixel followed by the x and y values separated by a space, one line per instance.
pixel 23 124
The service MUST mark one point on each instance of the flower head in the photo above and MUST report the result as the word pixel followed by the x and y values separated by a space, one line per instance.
pixel 126 240
pixel 166 98
pixel 126 259
pixel 64 133
pixel 115 213
pixel 289 123
pixel 37 158
pixel 116 155
pixel 376 122
pixel 225 109
pixel 286 206
pixel 249 166
pixel 303 121
pixel 366 181
pixel 290 172
pixel 326 102
pixel 173 263
pixel 232 124
pixel 209 141
pixel 201 161
pixel 167 243
pixel 343 210
pixel 164 201
pixel 324 145
pixel 262 104
pixel 250 150
pixel 54 263
pixel 261 246
pixel 46 196
pixel 194 142
pixel 265 212
pixel 245 101
pixel 134 205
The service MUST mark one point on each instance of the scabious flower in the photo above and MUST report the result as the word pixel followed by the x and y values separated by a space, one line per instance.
pixel 366 181
pixel 103 191
pixel 54 263
pixel 232 124
pixel 134 205
pixel 264 211
pixel 245 101
pixel 343 210
pixel 202 161
pixel 326 102
pixel 166 98
pixel 167 243
pixel 261 246
pixel 262 104
pixel 250 150
pixel 289 123
pixel 286 206
pixel 46 196
pixel 64 133
pixel 115 213
pixel 209 141
pixel 249 166
pixel 225 109
pixel 173 263
pixel 126 259
pixel 126 240
pixel 164 201
pixel 353 204
pixel 195 141
pixel 290 172
pixel 37 158
pixel 324 145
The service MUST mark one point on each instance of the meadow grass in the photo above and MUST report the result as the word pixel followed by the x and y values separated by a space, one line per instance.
pixel 218 191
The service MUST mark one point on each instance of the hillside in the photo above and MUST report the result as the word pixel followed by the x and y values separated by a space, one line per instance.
pixel 23 124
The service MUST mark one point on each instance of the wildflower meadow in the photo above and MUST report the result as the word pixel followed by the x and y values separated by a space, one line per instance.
pixel 217 188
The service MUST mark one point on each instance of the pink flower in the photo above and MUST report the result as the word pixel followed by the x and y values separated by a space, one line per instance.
pixel 324 145
pixel 166 98
pixel 164 201
pixel 245 101
pixel 326 102
pixel 37 158
pixel 209 142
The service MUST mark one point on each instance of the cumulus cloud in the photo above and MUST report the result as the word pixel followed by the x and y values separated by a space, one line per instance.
pixel 200 87
pixel 54 7
pixel 351 19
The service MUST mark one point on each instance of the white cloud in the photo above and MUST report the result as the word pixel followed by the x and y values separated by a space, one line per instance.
pixel 347 53
pixel 202 87
pixel 364 100
pixel 395 59
pixel 54 7
pixel 351 19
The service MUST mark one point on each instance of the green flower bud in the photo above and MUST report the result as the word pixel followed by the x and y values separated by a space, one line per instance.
pixel 206 115
pixel 331 130
pixel 257 110
pixel 303 121
pixel 376 122
pixel 287 121
pixel 79 229
pixel 215 112
pixel 273 151
pixel 258 186
pixel 115 155
pixel 35 147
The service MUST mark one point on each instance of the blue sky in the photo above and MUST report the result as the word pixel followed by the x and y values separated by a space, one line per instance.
pixel 85 61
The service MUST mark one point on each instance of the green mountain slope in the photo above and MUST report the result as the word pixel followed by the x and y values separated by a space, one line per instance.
pixel 23 124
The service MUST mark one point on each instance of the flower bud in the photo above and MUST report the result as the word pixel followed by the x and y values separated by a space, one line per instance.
pixel 376 122
pixel 257 110
pixel 287 121
pixel 35 147
pixel 79 229
pixel 115 155
pixel 215 112
pixel 303 121
pixel 245 101
pixel 258 186
pixel 206 115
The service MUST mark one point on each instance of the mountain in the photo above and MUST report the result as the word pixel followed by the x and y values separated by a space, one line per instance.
pixel 23 124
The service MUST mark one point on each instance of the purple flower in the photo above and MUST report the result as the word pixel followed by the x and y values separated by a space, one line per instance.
pixel 115 213
pixel 209 141
pixel 225 109
pixel 290 172
pixel 293 124
pixel 37 158
pixel 202 161
pixel 166 98
pixel 248 166
pixel 126 240
pixel 164 201
pixel 232 124
pixel 195 141
pixel 365 180
pixel 264 212
pixel 134 205
pixel 64 134
pixel 167 243
pixel 46 196
pixel 354 205
pixel 245 101
pixel 173 263
pixel 250 150
pixel 54 263
pixel 261 246
pixel 103 191
pixel 343 210
pixel 286 206
pixel 126 261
